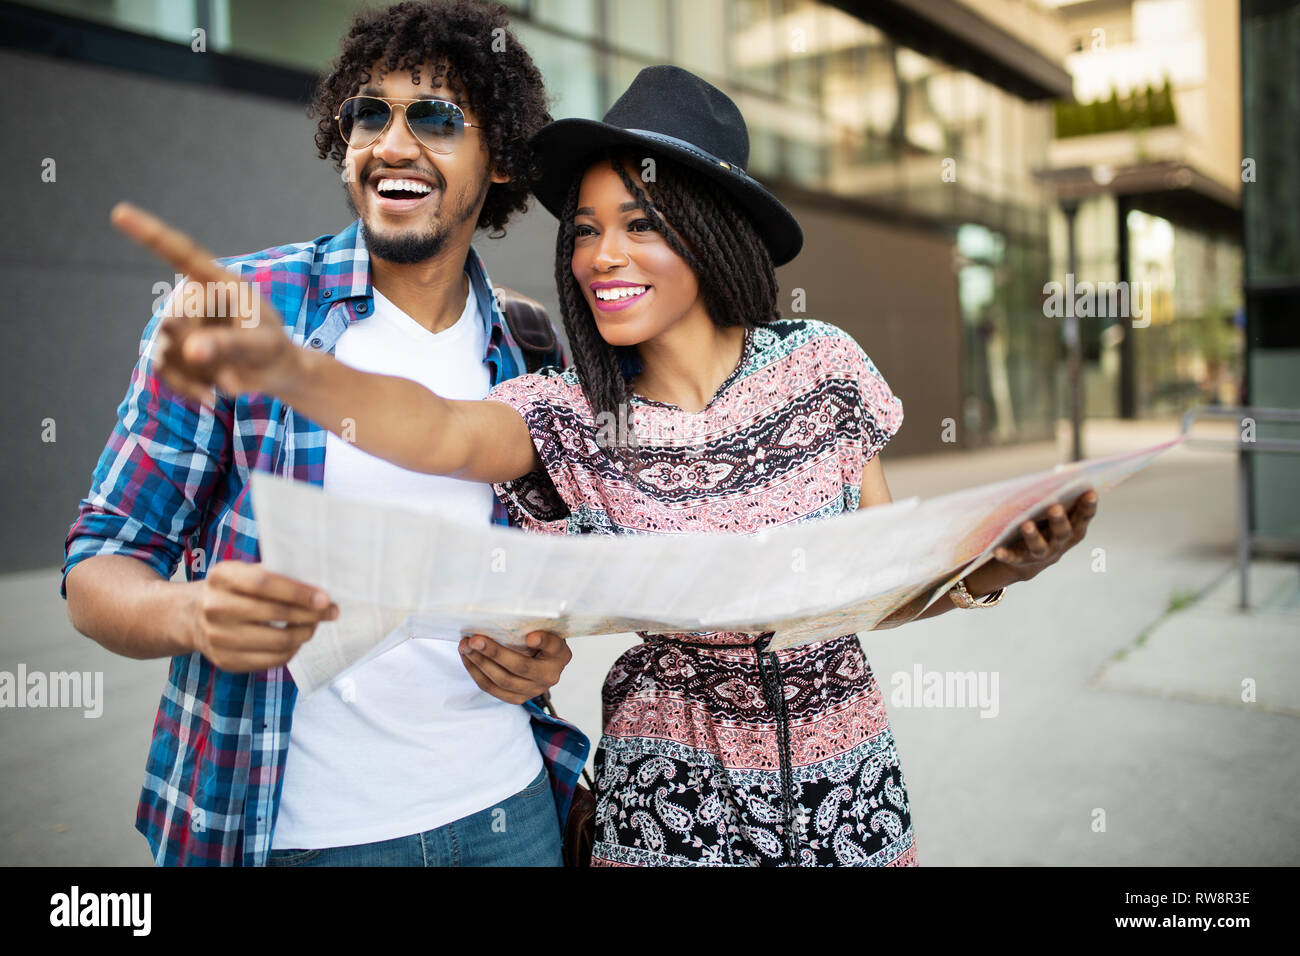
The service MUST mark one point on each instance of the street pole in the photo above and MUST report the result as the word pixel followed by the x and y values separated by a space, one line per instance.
pixel 1073 340
pixel 1127 347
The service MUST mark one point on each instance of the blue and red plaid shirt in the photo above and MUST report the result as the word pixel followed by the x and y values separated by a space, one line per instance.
pixel 172 483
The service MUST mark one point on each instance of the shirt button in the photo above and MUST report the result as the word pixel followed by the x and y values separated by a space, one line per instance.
pixel 362 307
pixel 327 293
pixel 315 343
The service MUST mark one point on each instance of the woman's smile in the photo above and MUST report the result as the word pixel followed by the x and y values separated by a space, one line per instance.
pixel 616 295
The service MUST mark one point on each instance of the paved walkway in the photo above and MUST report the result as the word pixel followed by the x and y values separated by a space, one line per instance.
pixel 1118 733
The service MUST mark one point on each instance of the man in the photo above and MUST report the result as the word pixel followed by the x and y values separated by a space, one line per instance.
pixel 423 755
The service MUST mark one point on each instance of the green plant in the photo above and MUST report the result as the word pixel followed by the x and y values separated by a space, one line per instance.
pixel 1142 109
pixel 1179 600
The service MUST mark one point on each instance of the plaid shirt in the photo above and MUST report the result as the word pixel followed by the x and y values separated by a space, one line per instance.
pixel 172 483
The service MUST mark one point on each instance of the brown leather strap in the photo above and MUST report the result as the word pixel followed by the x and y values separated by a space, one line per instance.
pixel 530 326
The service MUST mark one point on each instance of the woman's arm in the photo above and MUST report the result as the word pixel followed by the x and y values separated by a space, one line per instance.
pixel 405 423
pixel 1024 558
pixel 876 492
pixel 979 583
pixel 390 417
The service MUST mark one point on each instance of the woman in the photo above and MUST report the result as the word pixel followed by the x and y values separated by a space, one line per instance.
pixel 691 407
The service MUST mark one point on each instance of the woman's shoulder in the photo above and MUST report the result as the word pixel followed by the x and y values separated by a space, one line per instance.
pixel 831 355
pixel 829 343
pixel 550 385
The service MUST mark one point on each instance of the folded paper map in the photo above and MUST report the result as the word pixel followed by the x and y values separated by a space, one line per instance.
pixel 398 573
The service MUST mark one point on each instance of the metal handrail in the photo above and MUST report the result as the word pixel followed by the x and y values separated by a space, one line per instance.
pixel 1243 413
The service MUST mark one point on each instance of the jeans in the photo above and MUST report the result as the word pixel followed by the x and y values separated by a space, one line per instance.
pixel 522 830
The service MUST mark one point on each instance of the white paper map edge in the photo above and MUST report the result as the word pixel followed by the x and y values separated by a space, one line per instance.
pixel 397 573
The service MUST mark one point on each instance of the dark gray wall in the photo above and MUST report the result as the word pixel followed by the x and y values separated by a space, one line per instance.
pixel 240 173
pixel 894 290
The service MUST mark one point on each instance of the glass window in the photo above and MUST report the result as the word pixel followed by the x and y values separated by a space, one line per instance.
pixel 831 102
pixel 701 38
pixel 1009 351
pixel 173 20
pixel 804 155
pixel 638 28
pixel 755 45
pixel 575 16
pixel 924 128
pixel 570 69
pixel 803 80
pixel 305 34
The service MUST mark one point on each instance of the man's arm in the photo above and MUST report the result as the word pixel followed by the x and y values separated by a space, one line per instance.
pixel 147 495
pixel 150 490
pixel 123 604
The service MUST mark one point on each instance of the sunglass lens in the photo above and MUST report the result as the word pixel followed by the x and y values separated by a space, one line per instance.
pixel 439 125
pixel 362 119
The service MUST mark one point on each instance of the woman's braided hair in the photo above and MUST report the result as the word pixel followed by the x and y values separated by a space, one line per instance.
pixel 711 233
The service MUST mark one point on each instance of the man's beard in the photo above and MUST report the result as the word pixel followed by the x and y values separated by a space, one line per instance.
pixel 406 249
pixel 409 248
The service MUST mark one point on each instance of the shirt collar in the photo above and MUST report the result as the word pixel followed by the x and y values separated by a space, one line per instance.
pixel 344 266
pixel 345 274
pixel 493 320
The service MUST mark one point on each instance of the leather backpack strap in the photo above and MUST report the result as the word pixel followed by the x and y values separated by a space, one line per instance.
pixel 530 326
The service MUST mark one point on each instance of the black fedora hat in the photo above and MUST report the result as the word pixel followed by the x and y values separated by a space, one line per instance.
pixel 678 115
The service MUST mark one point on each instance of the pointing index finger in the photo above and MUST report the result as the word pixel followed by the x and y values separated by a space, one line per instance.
pixel 171 245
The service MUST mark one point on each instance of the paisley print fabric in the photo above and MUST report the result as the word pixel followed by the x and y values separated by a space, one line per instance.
pixel 716 751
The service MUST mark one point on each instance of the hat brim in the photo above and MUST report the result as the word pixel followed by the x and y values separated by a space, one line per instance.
pixel 564 149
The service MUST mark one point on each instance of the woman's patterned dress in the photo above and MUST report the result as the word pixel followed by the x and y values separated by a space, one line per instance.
pixel 716 751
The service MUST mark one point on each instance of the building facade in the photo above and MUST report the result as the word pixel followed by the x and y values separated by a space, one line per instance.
pixel 1147 157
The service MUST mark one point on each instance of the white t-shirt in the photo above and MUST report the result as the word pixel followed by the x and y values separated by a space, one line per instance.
pixel 405 742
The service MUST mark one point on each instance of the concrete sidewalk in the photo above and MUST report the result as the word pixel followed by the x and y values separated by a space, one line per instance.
pixel 1207 649
pixel 1091 756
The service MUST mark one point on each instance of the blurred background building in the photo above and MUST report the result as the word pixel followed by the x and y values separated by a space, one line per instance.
pixel 930 149
pixel 1148 150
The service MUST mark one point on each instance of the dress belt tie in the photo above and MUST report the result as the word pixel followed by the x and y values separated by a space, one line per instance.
pixel 769 669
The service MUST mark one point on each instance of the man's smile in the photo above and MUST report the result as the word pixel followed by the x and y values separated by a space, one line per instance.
pixel 400 191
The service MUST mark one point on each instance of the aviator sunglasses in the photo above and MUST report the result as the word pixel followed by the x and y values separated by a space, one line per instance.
pixel 437 124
